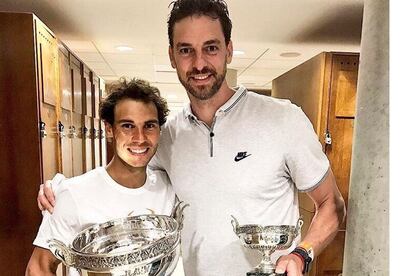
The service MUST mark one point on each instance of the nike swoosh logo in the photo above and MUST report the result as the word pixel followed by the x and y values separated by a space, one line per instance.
pixel 241 157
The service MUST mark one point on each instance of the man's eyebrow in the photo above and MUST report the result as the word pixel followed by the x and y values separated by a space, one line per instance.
pixel 131 121
pixel 183 44
pixel 155 121
pixel 212 41
pixel 124 121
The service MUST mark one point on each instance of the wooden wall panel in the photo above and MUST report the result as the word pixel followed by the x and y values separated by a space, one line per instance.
pixel 329 262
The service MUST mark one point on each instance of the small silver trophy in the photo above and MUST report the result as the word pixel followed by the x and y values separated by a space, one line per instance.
pixel 266 239
pixel 145 245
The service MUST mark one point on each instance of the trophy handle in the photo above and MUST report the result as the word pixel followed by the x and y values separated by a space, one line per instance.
pixel 235 224
pixel 177 213
pixel 298 226
pixel 61 251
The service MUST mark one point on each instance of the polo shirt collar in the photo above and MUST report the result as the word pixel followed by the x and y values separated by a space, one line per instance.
pixel 240 93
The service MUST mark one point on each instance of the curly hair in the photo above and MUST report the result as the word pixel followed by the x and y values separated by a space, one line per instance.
pixel 216 9
pixel 136 89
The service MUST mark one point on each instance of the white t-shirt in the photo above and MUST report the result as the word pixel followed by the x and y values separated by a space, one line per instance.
pixel 95 197
pixel 250 164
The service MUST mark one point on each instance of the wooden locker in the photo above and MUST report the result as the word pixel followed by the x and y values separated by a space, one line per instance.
pixel 77 142
pixel 65 124
pixel 28 140
pixel 42 131
pixel 97 137
pixel 102 144
pixel 87 143
pixel 76 67
pixel 48 70
pixel 87 92
pixel 78 153
pixel 325 88
pixel 96 95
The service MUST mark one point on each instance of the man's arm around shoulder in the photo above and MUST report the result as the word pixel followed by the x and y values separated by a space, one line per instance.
pixel 42 263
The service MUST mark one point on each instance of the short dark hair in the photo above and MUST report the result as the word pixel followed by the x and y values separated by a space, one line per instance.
pixel 135 89
pixel 216 9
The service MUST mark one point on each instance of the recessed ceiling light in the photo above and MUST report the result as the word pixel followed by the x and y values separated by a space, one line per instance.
pixel 124 48
pixel 290 54
pixel 238 52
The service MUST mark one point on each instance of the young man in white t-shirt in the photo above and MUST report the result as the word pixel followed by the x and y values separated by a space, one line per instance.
pixel 133 114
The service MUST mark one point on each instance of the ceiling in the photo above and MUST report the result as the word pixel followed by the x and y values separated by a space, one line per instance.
pixel 262 29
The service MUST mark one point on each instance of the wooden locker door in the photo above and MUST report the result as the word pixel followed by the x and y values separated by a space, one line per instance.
pixel 77 153
pixel 75 66
pixel 48 73
pixel 87 84
pixel 66 137
pixel 96 95
pixel 340 121
pixel 341 115
pixel 103 144
pixel 65 78
pixel 87 143
pixel 65 124
pixel 97 135
pixel 50 141
pixel 47 56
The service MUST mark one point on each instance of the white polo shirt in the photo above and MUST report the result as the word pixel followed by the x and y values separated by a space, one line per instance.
pixel 250 164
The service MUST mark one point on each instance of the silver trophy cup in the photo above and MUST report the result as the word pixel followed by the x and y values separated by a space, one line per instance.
pixel 266 239
pixel 137 245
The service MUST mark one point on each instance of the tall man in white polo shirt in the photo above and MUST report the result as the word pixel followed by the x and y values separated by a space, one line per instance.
pixel 232 152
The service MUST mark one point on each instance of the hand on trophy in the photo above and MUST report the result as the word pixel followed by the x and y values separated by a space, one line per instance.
pixel 267 239
pixel 290 264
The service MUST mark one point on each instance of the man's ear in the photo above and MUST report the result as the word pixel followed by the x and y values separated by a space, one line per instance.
pixel 108 131
pixel 229 56
pixel 171 55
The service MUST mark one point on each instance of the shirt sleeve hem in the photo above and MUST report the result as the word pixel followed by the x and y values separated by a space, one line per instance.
pixel 316 185
pixel 41 243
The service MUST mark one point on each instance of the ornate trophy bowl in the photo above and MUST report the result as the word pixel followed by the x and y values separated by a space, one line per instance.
pixel 266 239
pixel 138 245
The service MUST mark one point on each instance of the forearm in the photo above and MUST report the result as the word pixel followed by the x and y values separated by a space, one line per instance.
pixel 42 262
pixel 325 224
pixel 36 270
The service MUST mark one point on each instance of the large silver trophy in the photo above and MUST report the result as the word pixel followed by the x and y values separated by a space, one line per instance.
pixel 137 245
pixel 266 239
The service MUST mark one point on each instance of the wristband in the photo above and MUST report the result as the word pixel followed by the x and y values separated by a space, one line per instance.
pixel 306 257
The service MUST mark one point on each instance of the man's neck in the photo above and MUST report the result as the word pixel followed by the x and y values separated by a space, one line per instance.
pixel 205 110
pixel 125 175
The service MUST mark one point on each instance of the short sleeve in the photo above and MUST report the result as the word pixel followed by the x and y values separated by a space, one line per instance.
pixel 63 224
pixel 306 161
